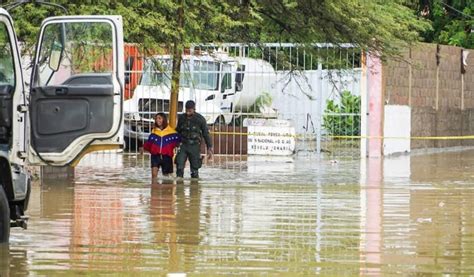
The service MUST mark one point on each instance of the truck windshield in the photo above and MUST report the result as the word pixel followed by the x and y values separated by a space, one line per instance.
pixel 7 75
pixel 205 74
pixel 72 48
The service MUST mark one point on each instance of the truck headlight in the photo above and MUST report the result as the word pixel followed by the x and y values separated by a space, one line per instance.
pixel 132 116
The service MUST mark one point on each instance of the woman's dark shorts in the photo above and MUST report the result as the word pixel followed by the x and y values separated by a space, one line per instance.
pixel 163 161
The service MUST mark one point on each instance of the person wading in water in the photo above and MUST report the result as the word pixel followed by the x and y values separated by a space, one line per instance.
pixel 161 144
pixel 192 127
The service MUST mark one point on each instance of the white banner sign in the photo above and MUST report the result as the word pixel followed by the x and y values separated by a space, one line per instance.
pixel 271 140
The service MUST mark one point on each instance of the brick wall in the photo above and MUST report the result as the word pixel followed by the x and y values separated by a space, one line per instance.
pixel 435 112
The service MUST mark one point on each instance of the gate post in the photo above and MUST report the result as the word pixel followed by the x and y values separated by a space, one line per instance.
pixel 319 108
pixel 363 106
pixel 375 105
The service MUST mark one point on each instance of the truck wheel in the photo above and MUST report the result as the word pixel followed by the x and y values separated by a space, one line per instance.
pixel 132 144
pixel 220 121
pixel 237 121
pixel 4 217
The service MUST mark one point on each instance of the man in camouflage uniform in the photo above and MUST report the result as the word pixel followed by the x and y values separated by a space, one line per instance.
pixel 191 127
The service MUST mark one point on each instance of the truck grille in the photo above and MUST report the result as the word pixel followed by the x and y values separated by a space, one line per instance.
pixel 149 107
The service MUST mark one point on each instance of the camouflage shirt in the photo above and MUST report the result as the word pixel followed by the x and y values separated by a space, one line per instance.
pixel 191 129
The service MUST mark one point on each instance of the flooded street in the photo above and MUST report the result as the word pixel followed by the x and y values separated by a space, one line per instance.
pixel 281 216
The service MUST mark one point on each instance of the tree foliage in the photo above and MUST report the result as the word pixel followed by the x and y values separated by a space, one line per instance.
pixel 384 26
pixel 379 26
pixel 452 21
pixel 149 23
pixel 6 62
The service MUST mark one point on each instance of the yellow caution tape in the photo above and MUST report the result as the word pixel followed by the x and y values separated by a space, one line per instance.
pixel 348 137
pixel 412 138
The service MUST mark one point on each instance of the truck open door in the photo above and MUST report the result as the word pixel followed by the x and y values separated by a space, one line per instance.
pixel 77 85
pixel 11 90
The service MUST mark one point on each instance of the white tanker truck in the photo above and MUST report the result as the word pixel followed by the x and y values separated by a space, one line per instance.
pixel 223 87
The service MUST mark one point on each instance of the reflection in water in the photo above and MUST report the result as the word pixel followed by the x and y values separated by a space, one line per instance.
pixel 175 216
pixel 307 216
pixel 188 212
pixel 4 260
pixel 371 242
pixel 101 228
pixel 12 262
pixel 163 217
pixel 442 229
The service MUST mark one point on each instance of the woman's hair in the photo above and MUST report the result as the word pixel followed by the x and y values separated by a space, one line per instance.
pixel 165 120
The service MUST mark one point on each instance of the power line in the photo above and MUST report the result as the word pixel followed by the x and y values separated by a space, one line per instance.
pixel 15 4
pixel 456 10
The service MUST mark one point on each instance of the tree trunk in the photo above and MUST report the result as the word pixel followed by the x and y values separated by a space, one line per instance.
pixel 176 70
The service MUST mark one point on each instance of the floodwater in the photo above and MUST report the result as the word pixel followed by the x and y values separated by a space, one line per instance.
pixel 282 216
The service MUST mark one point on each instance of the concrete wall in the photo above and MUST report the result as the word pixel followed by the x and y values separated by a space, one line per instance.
pixel 397 123
pixel 428 78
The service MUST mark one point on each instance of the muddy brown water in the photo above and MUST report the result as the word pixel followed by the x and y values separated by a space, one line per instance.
pixel 279 216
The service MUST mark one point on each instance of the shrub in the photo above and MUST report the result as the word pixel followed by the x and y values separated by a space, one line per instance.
pixel 343 119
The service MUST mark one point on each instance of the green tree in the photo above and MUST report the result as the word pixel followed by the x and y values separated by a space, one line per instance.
pixel 6 62
pixel 155 25
pixel 383 27
pixel 378 26
pixel 452 21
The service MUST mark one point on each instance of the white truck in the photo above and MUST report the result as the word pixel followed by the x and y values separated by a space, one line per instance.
pixel 74 104
pixel 222 86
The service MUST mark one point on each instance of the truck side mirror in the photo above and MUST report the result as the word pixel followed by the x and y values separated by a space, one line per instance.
pixel 55 56
pixel 128 68
pixel 129 64
pixel 239 86
pixel 239 78
pixel 57 49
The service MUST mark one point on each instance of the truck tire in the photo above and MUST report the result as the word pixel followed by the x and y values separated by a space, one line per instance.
pixel 4 217
pixel 220 121
pixel 132 145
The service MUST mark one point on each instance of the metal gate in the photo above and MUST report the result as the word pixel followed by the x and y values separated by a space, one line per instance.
pixel 241 89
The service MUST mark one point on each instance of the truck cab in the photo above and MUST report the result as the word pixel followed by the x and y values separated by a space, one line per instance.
pixel 199 80
pixel 73 104
pixel 224 88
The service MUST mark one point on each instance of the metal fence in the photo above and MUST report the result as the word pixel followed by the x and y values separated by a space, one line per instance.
pixel 308 96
